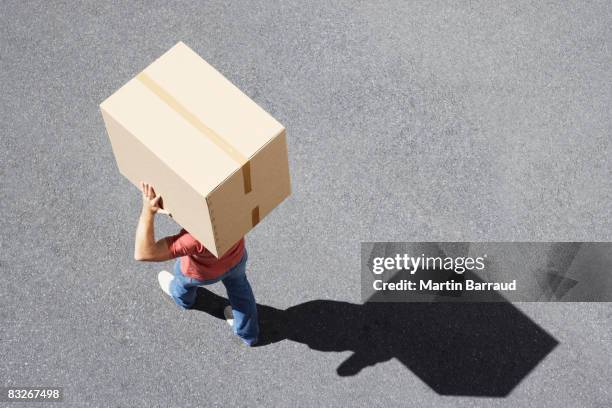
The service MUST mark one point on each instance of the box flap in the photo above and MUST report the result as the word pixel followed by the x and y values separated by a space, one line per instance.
pixel 213 99
pixel 182 147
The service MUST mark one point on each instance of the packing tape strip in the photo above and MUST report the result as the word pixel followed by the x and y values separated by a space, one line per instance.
pixel 255 216
pixel 246 176
pixel 197 123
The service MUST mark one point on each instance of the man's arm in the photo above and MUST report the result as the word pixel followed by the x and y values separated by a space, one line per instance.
pixel 145 246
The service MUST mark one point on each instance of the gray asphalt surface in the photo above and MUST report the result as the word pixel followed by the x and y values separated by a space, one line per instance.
pixel 437 121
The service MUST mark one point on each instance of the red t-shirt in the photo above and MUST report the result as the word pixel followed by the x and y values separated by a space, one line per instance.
pixel 198 262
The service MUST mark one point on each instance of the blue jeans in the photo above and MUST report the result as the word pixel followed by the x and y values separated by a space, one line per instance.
pixel 239 293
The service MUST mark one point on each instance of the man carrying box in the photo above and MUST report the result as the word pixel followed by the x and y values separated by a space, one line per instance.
pixel 197 266
pixel 219 161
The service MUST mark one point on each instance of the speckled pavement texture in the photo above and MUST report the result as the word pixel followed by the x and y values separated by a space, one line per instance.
pixel 433 121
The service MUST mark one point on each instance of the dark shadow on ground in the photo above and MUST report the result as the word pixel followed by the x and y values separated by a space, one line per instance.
pixel 469 349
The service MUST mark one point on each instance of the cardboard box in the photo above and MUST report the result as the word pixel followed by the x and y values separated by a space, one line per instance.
pixel 218 160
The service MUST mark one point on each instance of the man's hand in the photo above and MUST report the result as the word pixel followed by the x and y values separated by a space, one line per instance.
pixel 145 246
pixel 151 202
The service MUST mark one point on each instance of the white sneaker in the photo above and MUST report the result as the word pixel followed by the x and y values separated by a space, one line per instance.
pixel 165 278
pixel 229 316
